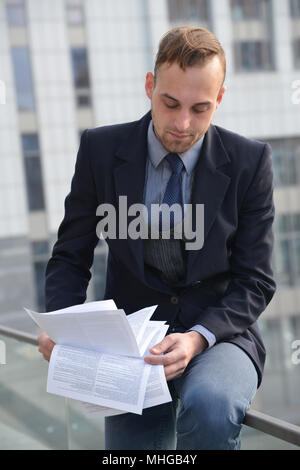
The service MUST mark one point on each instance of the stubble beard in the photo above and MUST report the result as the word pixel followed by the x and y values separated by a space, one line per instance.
pixel 169 143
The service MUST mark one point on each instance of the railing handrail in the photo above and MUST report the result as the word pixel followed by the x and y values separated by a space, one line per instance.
pixel 273 426
pixel 255 419
pixel 18 335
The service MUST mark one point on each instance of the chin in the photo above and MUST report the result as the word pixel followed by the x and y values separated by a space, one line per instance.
pixel 178 147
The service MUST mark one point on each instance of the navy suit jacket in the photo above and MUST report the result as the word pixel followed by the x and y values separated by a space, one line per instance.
pixel 228 282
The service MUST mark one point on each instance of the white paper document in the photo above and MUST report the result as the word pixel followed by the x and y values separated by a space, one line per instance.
pixel 157 391
pixel 99 354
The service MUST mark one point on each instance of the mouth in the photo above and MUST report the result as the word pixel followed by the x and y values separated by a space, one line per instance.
pixel 178 136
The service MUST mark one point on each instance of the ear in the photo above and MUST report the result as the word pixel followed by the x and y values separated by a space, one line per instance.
pixel 149 84
pixel 220 96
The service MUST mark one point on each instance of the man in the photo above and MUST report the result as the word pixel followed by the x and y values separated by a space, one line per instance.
pixel 213 355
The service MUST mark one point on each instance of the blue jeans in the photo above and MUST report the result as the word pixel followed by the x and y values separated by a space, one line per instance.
pixel 209 404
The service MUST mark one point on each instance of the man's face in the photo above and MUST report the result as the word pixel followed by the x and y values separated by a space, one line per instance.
pixel 183 102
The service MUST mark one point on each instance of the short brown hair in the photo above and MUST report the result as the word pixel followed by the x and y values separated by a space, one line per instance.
pixel 188 46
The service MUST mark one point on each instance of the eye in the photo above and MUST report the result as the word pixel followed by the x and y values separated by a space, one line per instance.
pixel 171 107
pixel 203 110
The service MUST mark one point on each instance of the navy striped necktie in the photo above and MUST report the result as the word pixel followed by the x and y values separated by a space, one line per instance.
pixel 173 193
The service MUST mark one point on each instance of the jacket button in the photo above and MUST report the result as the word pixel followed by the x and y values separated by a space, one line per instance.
pixel 174 300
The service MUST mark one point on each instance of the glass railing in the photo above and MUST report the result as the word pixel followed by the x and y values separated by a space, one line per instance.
pixel 31 418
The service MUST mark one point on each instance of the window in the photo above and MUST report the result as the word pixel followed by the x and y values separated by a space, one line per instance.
pixel 81 76
pixel 295 326
pixel 99 271
pixel 39 269
pixel 296 52
pixel 287 249
pixel 188 10
pixel 40 254
pixel 30 144
pixel 246 9
pixel 253 56
pixel 40 249
pixel 15 13
pixel 286 161
pixel 33 172
pixel 295 15
pixel 74 12
pixel 23 78
pixel 272 334
pixel 295 8
pixel 253 43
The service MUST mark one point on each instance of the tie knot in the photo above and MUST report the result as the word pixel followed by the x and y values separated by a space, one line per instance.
pixel 175 162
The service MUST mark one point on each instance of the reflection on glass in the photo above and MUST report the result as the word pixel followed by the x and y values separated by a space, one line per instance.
pixel 31 418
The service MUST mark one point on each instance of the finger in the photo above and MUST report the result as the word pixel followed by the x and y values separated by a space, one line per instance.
pixel 44 338
pixel 174 370
pixel 45 341
pixel 164 360
pixel 45 350
pixel 173 373
pixel 46 345
pixel 165 344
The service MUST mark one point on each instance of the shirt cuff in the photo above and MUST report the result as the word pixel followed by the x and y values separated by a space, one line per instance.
pixel 208 335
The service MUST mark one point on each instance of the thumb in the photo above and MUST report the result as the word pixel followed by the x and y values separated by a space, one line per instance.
pixel 161 347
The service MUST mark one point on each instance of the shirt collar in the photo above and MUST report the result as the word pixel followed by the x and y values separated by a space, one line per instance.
pixel 157 151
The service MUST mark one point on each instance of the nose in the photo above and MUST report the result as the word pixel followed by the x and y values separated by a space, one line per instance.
pixel 183 121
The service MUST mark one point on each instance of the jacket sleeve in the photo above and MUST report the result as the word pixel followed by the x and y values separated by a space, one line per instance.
pixel 252 285
pixel 68 270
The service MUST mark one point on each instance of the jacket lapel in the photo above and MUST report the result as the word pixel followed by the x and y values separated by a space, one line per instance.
pixel 209 188
pixel 129 177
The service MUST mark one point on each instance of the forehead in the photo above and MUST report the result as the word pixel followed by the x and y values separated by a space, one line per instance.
pixel 206 78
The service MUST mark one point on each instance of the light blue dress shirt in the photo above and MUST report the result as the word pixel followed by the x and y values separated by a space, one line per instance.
pixel 158 173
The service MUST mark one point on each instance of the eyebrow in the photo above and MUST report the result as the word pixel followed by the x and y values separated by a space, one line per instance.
pixel 202 103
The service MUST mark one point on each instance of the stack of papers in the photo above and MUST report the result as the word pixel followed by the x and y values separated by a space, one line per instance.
pixel 99 355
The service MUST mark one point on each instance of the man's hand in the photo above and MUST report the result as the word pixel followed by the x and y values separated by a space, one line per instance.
pixel 179 349
pixel 45 345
